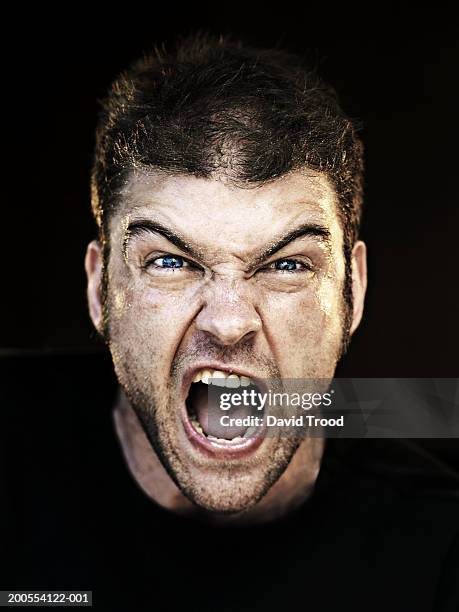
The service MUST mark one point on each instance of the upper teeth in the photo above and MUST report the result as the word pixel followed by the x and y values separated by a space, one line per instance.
pixel 221 379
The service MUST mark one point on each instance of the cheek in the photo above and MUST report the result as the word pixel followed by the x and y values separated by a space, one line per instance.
pixel 305 332
pixel 147 322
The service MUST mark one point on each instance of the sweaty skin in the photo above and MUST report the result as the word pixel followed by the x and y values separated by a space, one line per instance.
pixel 227 302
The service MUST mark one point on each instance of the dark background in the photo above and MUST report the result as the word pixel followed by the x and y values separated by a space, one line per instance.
pixel 398 74
pixel 400 80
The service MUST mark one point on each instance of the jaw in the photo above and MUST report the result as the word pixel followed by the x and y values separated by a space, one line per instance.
pixel 216 491
pixel 229 482
pixel 217 477
pixel 226 478
pixel 228 487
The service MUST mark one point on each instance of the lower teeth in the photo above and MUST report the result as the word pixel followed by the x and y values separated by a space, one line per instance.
pixel 197 426
pixel 224 441
pixel 235 440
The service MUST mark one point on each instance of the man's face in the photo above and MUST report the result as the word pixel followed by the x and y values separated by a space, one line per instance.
pixel 204 276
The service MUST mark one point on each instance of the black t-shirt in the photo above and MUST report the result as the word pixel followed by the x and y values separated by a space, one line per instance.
pixel 380 531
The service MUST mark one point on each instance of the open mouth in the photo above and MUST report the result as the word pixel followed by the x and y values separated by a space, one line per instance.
pixel 233 431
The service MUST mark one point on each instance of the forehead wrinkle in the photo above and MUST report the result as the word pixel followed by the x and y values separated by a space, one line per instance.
pixel 211 250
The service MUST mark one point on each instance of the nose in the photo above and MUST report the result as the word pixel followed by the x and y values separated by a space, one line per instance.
pixel 228 315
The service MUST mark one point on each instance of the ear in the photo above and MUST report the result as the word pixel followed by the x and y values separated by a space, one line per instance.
pixel 359 282
pixel 93 265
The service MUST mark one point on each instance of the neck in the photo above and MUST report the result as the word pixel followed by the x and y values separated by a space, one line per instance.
pixel 290 491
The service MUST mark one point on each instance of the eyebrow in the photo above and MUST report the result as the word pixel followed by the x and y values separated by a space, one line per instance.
pixel 310 230
pixel 140 226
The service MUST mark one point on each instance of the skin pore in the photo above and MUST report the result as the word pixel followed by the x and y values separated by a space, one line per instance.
pixel 204 273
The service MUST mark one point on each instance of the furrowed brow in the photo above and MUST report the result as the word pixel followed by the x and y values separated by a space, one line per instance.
pixel 141 226
pixel 312 230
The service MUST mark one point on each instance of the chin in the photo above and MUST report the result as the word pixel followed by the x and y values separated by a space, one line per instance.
pixel 225 497
pixel 225 486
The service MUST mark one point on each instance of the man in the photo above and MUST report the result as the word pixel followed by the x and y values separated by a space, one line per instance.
pixel 227 186
pixel 227 189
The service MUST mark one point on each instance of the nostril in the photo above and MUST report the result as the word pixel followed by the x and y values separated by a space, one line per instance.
pixel 229 338
pixel 226 328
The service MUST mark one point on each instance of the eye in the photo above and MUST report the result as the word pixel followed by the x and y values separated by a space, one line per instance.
pixel 169 261
pixel 289 265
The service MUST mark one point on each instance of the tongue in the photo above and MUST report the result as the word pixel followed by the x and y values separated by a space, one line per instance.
pixel 209 414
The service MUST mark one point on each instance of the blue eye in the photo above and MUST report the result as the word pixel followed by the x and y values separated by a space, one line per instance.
pixel 287 265
pixel 170 261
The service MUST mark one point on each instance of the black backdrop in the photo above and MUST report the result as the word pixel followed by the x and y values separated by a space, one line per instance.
pixel 400 79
